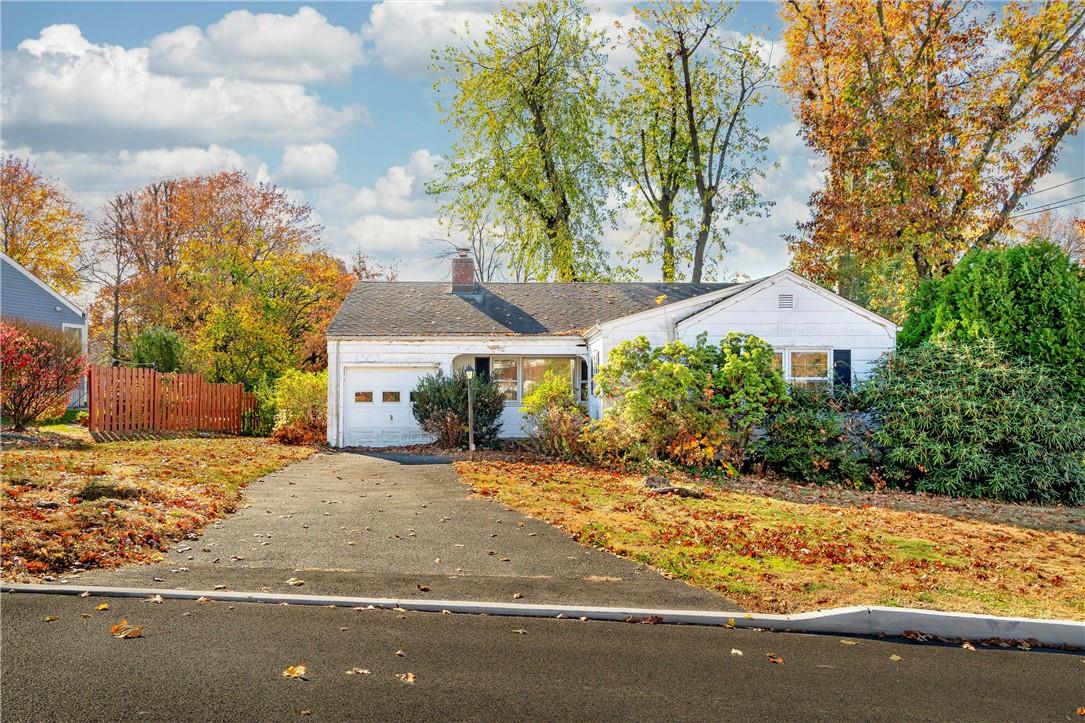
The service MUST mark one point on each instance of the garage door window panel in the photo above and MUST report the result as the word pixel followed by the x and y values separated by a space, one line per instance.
pixel 363 397
pixel 392 397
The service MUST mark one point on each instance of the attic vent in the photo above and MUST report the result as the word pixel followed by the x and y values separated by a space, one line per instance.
pixel 786 301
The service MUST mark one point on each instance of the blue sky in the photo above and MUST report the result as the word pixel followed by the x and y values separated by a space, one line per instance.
pixel 332 101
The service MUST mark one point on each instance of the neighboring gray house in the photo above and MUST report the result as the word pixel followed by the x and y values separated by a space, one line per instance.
pixel 24 296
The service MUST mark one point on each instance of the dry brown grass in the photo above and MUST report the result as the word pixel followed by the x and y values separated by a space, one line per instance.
pixel 70 503
pixel 772 549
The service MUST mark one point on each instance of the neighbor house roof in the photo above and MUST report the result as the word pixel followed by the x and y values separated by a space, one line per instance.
pixel 430 308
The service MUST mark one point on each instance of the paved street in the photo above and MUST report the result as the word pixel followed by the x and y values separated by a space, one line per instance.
pixel 350 524
pixel 221 662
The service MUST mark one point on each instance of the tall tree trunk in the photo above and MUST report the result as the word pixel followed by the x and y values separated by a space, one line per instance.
pixel 703 230
pixel 666 216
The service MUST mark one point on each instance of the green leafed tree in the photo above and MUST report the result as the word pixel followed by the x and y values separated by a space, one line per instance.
pixel 683 131
pixel 1029 299
pixel 527 99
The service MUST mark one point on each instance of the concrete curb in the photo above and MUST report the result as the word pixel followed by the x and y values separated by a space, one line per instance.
pixel 857 620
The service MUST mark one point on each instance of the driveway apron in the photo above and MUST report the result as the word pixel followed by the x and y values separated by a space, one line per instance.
pixel 397 526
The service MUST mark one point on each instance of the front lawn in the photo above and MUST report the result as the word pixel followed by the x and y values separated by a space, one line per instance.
pixel 772 547
pixel 69 503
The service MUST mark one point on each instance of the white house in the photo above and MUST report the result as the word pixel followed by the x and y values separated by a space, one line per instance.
pixel 388 334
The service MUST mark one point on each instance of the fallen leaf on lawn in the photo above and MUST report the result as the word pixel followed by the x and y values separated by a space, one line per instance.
pixel 401 654
pixel 297 672
pixel 774 658
pixel 406 677
pixel 102 606
pixel 357 671
pixel 520 631
pixel 50 619
pixel 156 599
pixel 968 646
pixel 736 651
pixel 295 582
pixel 895 657
pixel 849 642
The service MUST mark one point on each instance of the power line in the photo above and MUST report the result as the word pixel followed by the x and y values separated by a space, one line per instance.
pixel 1039 211
pixel 1042 206
pixel 1050 188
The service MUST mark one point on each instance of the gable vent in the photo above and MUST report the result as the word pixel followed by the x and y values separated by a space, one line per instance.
pixel 786 301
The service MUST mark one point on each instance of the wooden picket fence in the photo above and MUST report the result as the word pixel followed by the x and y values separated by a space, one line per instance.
pixel 124 400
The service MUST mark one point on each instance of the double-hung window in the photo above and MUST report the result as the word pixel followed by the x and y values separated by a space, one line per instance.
pixel 803 367
pixel 504 371
pixel 536 369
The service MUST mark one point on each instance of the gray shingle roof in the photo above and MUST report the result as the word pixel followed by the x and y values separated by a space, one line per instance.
pixel 416 308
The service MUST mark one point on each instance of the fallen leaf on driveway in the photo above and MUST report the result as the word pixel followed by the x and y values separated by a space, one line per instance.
pixel 406 677
pixel 895 658
pixel 774 658
pixel 50 619
pixel 219 587
pixel 849 642
pixel 124 631
pixel 422 588
pixel 517 595
pixel 102 606
pixel 295 582
pixel 297 672
pixel 201 599
pixel 85 594
pixel 736 651
pixel 968 646
pixel 156 599
pixel 357 671
pixel 401 654
pixel 520 631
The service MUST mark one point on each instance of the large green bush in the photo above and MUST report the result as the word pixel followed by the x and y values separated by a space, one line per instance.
pixel 158 347
pixel 1029 299
pixel 439 404
pixel 816 437
pixel 696 405
pixel 967 419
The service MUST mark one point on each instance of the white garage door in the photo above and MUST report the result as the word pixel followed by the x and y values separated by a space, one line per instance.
pixel 377 407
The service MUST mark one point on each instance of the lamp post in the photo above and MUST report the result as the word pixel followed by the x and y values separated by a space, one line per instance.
pixel 470 372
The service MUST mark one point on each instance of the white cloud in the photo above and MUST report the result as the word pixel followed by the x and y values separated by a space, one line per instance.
pixel 307 166
pixel 93 177
pixel 399 192
pixel 64 92
pixel 299 48
pixel 401 35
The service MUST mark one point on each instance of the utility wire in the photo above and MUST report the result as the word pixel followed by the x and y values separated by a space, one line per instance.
pixel 1042 206
pixel 1041 210
pixel 1050 188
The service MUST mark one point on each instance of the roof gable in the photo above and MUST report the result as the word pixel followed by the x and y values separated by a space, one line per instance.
pixel 12 263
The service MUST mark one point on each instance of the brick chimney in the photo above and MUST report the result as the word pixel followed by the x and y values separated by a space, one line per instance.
pixel 463 272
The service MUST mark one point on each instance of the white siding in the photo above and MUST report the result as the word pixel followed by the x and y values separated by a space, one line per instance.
pixel 434 353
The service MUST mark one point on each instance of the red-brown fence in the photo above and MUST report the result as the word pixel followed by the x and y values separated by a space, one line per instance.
pixel 122 400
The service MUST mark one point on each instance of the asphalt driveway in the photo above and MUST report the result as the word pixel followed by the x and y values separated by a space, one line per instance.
pixel 397 526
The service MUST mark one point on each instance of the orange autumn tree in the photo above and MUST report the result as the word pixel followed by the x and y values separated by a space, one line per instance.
pixel 934 117
pixel 235 267
pixel 41 225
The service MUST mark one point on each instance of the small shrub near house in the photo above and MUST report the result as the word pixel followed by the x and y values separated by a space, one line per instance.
pixel 439 405
pixel 816 437
pixel 41 366
pixel 695 405
pixel 301 408
pixel 559 424
pixel 969 420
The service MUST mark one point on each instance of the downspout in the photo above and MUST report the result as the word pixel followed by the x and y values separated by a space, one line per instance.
pixel 338 399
